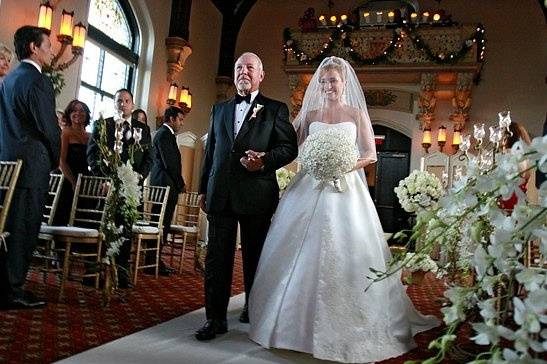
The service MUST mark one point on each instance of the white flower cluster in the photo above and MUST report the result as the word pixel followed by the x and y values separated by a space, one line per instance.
pixel 130 189
pixel 419 191
pixel 283 176
pixel 496 241
pixel 417 261
pixel 113 247
pixel 328 154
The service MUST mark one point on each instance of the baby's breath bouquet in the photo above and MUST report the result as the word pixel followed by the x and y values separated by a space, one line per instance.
pixel 419 191
pixel 328 154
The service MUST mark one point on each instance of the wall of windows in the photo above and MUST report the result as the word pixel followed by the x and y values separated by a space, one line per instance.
pixel 110 55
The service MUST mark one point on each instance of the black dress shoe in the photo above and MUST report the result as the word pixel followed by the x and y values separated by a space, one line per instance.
pixel 211 329
pixel 244 317
pixel 24 299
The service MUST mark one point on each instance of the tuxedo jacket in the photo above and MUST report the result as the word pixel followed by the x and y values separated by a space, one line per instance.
pixel 166 162
pixel 141 159
pixel 28 125
pixel 224 179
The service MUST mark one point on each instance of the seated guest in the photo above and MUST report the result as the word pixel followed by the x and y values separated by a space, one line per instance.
pixel 73 159
pixel 5 59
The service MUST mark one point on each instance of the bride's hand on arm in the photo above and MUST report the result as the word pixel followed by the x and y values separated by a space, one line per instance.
pixel 362 163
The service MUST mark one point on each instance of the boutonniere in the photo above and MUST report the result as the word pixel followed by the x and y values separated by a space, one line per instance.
pixel 256 109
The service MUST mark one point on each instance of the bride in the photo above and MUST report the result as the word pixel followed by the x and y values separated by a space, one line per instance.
pixel 309 290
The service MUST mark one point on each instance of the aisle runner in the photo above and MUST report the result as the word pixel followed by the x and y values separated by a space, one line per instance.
pixel 173 342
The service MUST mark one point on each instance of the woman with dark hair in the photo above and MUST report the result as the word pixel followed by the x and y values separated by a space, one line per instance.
pixel 73 160
pixel 140 115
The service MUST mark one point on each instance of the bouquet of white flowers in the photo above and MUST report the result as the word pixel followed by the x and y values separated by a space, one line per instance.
pixel 419 191
pixel 283 176
pixel 329 154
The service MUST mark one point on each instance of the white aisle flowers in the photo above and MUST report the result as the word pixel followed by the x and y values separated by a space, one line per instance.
pixel 419 191
pixel 328 154
pixel 506 304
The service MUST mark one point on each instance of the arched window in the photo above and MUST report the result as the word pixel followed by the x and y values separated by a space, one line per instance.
pixel 110 54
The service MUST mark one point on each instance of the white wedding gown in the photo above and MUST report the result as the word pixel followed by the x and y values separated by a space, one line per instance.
pixel 309 290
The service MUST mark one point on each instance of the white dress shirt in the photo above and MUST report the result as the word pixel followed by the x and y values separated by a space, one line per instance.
pixel 27 60
pixel 241 111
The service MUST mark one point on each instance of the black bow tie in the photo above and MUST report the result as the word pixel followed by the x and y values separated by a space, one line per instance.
pixel 240 99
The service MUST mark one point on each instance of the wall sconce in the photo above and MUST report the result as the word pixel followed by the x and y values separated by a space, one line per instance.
pixel 456 140
pixel 436 17
pixel 414 18
pixel 367 17
pixel 391 16
pixel 68 35
pixel 426 139
pixel 441 137
pixel 425 17
pixel 185 99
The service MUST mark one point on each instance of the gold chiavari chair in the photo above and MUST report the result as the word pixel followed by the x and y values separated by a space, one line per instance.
pixel 46 249
pixel 9 173
pixel 84 226
pixel 186 229
pixel 148 231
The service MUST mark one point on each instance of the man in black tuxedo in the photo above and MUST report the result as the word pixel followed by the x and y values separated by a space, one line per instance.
pixel 141 160
pixel 28 131
pixel 249 138
pixel 166 167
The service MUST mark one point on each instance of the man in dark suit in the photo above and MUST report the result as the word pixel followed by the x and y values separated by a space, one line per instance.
pixel 249 138
pixel 141 159
pixel 166 167
pixel 28 131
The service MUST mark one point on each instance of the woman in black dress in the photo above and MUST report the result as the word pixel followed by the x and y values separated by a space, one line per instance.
pixel 73 160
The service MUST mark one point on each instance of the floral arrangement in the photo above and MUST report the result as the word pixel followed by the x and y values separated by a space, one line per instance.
pixel 56 77
pixel 420 262
pixel 506 302
pixel 419 191
pixel 283 176
pixel 328 154
pixel 121 206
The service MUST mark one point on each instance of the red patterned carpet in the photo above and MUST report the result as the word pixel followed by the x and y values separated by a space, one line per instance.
pixel 79 323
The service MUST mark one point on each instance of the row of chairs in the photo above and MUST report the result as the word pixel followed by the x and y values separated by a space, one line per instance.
pixel 83 238
pixel 86 223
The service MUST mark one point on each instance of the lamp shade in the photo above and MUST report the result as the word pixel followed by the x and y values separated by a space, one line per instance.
pixel 456 138
pixel 66 23
pixel 189 104
pixel 426 137
pixel 441 137
pixel 173 90
pixel 184 95
pixel 44 15
pixel 79 34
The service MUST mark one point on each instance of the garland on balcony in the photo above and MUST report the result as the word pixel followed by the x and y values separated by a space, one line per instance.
pixel 344 33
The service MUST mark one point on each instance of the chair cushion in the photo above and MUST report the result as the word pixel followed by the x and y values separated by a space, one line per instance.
pixel 74 231
pixel 141 229
pixel 183 229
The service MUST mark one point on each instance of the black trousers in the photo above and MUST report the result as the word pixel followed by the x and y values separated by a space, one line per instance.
pixel 23 224
pixel 219 262
pixel 172 200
